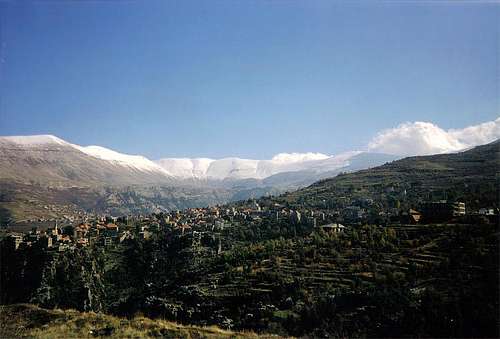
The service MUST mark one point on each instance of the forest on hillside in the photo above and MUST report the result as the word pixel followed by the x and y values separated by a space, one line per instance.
pixel 432 280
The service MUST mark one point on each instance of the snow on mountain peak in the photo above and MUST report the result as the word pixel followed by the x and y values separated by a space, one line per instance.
pixel 28 140
pixel 201 168
pixel 185 167
pixel 237 168
pixel 134 161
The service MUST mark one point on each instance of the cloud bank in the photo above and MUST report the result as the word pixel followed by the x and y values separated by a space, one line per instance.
pixel 423 138
pixel 298 157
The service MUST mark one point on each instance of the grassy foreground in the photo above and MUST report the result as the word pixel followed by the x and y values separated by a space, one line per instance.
pixel 25 320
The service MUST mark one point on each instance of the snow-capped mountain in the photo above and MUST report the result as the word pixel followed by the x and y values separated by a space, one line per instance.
pixel 137 162
pixel 33 140
pixel 37 171
pixel 95 163
pixel 47 159
pixel 237 168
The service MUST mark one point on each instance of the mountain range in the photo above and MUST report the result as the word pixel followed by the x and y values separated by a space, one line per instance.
pixel 44 178
pixel 89 164
pixel 42 171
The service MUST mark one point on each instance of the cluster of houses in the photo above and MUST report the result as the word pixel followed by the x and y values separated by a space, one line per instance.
pixel 197 222
pixel 61 238
pixel 209 222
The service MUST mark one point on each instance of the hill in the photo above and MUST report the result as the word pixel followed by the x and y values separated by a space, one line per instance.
pixel 48 160
pixel 25 320
pixel 256 266
pixel 471 176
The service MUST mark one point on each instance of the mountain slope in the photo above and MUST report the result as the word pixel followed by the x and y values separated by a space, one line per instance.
pixel 40 174
pixel 304 178
pixel 24 320
pixel 237 168
pixel 311 165
pixel 48 160
pixel 44 177
pixel 471 176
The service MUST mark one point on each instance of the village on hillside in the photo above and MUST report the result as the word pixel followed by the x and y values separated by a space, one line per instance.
pixel 211 222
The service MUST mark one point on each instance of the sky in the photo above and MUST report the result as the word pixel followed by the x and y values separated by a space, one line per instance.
pixel 244 78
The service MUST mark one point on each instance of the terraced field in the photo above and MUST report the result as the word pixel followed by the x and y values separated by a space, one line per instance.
pixel 337 262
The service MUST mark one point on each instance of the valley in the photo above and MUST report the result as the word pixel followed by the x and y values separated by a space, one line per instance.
pixel 39 173
pixel 249 169
pixel 374 253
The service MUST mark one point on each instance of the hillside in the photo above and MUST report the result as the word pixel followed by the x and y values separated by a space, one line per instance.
pixel 25 320
pixel 253 265
pixel 48 160
pixel 401 281
pixel 471 176
pixel 45 177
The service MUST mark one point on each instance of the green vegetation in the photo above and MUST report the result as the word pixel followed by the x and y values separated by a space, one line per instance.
pixel 24 320
pixel 373 281
pixel 269 273
pixel 472 177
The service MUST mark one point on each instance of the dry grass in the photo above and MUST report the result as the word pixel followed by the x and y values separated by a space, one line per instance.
pixel 24 320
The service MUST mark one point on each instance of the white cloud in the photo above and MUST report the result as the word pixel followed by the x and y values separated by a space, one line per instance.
pixel 421 138
pixel 478 134
pixel 298 157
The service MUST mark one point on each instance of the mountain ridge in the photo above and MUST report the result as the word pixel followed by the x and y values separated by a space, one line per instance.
pixel 471 176
pixel 181 168
pixel 35 180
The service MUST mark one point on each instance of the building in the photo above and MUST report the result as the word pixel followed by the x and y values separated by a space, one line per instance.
pixel 56 230
pixel 410 217
pixel 111 230
pixel 82 242
pixel 81 230
pixel 458 209
pixel 335 228
pixel 486 211
pixel 107 241
pixel 145 234
pixel 353 212
pixel 126 236
pixel 14 240
pixel 55 233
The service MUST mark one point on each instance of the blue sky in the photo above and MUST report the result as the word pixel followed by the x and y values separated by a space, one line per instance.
pixel 243 78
